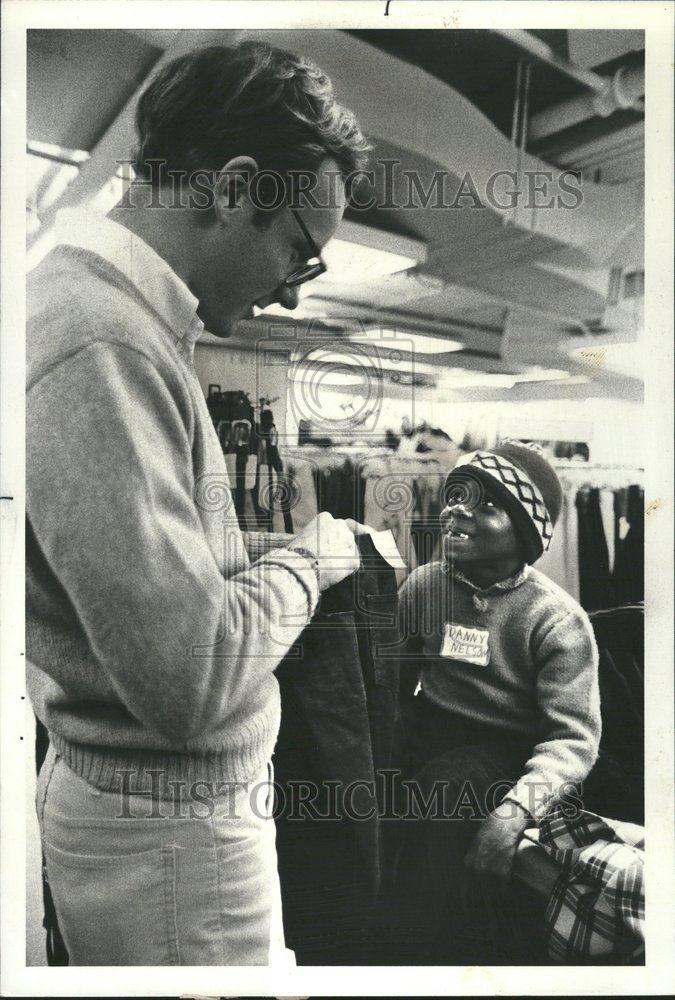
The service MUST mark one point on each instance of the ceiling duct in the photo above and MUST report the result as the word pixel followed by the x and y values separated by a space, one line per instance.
pixel 621 91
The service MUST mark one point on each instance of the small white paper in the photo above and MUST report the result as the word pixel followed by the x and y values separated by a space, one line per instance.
pixel 386 545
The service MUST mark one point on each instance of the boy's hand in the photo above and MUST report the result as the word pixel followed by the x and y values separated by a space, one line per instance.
pixel 493 848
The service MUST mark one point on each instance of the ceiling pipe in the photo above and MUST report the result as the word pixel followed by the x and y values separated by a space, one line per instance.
pixel 621 91
pixel 533 46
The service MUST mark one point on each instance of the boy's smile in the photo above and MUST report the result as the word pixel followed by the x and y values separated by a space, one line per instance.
pixel 457 528
pixel 481 536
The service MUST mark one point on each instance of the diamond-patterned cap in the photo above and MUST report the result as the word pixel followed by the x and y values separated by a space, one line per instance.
pixel 521 488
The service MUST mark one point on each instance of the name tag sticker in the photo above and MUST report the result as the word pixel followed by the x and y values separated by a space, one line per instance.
pixel 467 644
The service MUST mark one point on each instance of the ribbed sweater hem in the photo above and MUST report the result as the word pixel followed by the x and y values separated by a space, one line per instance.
pixel 132 769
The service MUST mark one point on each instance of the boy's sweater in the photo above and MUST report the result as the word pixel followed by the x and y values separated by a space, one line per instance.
pixel 520 656
pixel 150 638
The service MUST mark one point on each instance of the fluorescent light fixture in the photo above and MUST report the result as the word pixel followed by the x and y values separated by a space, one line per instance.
pixel 543 375
pixel 371 364
pixel 458 378
pixel 304 376
pixel 353 262
pixel 50 151
pixel 416 343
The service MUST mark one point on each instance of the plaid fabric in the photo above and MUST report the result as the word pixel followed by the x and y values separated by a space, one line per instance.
pixel 521 487
pixel 597 907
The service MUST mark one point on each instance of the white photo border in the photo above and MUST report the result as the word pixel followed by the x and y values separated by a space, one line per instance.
pixel 658 974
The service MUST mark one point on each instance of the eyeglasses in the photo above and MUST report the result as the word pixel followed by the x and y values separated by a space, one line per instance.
pixel 314 266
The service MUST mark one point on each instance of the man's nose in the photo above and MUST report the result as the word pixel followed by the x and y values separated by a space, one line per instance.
pixel 286 297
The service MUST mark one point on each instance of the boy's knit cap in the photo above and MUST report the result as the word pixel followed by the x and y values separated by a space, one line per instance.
pixel 522 480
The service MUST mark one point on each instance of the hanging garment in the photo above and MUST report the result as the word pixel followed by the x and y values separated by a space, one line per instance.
pixel 621 525
pixel 561 562
pixel 273 483
pixel 621 632
pixel 303 492
pixel 425 529
pixel 336 490
pixel 595 583
pixel 607 514
pixel 273 497
pixel 629 570
pixel 388 503
pixel 338 702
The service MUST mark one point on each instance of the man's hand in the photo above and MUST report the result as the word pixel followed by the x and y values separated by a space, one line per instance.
pixel 356 527
pixel 493 849
pixel 332 542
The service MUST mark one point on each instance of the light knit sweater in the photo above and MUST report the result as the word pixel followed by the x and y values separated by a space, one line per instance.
pixel 151 640
pixel 520 656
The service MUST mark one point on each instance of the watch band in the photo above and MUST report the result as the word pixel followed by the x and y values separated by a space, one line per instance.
pixel 307 554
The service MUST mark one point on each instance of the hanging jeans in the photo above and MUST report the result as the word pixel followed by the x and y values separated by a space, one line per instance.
pixel 337 490
pixel 629 571
pixel 595 583
pixel 338 703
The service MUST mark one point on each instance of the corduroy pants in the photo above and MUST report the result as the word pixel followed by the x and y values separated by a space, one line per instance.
pixel 137 881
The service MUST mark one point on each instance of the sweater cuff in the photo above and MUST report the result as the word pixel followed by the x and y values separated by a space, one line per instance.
pixel 535 795
pixel 302 569
pixel 259 543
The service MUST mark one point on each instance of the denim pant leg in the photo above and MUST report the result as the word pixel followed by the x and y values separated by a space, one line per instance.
pixel 142 883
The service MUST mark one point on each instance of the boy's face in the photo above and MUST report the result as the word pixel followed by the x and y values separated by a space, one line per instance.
pixel 479 533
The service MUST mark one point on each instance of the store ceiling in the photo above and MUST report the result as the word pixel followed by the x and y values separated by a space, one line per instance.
pixel 483 65
pixel 79 80
pixel 435 100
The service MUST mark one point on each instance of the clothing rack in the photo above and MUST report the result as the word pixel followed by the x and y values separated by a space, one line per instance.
pixel 596 553
pixel 385 490
pixel 587 475
pixel 332 457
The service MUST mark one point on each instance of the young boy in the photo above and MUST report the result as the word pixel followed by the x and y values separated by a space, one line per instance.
pixel 506 715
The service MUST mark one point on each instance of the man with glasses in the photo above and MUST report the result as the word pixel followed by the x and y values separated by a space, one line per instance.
pixel 152 637
pixel 314 266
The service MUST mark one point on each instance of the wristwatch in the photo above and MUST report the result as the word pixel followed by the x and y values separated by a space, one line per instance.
pixel 310 556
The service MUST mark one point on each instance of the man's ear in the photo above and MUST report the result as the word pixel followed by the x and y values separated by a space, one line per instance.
pixel 231 189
